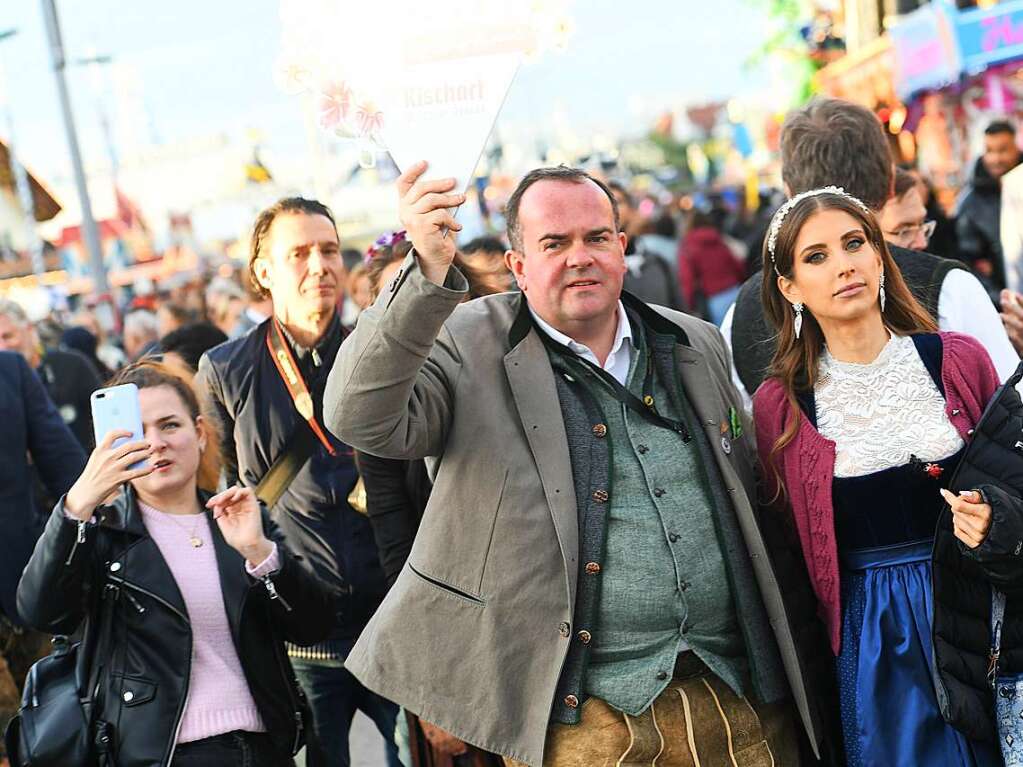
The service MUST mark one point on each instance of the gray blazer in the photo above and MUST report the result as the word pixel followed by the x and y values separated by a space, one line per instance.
pixel 474 633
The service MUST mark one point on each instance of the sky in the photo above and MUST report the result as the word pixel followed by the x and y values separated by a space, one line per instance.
pixel 193 68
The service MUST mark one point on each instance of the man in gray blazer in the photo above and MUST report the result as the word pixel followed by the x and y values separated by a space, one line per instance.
pixel 589 584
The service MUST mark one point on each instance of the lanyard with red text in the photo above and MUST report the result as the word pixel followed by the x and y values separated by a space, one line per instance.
pixel 292 377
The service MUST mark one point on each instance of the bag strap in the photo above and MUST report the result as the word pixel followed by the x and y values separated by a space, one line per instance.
pixel 287 465
pixel 290 374
pixel 997 618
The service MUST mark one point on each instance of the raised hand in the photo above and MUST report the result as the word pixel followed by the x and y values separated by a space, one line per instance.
pixel 108 468
pixel 971 517
pixel 423 207
pixel 237 512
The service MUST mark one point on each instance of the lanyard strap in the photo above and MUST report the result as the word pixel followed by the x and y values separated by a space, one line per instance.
pixel 292 377
pixel 997 618
pixel 645 408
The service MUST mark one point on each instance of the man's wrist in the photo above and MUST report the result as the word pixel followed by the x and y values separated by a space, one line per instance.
pixel 434 272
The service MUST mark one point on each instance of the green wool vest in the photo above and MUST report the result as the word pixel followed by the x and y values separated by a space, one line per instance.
pixel 664 584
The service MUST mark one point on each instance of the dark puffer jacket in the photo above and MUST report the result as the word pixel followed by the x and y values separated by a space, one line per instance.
pixel 258 419
pixel 978 227
pixel 993 464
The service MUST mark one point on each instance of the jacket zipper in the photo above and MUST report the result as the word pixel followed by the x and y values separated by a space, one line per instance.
pixel 289 682
pixel 272 591
pixel 79 538
pixel 188 670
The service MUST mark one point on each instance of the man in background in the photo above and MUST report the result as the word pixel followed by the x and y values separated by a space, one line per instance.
pixel 69 377
pixel 979 217
pixel 34 437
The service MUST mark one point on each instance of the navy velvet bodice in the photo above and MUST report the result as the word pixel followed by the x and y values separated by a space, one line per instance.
pixel 897 505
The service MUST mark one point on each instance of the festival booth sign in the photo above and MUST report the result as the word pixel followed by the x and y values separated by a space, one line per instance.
pixel 433 91
pixel 989 36
pixel 925 50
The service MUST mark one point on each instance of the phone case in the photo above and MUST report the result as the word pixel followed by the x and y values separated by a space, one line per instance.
pixel 116 408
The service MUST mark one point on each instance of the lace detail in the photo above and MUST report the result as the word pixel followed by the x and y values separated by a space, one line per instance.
pixel 881 414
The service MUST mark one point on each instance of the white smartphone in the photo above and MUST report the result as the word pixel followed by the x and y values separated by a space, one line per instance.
pixel 116 408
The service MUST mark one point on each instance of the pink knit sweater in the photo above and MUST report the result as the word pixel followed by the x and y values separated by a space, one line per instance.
pixel 219 700
pixel 807 464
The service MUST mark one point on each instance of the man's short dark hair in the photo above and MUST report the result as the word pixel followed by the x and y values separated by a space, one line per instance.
pixel 833 142
pixel 190 342
pixel 1000 126
pixel 485 244
pixel 265 220
pixel 904 181
pixel 623 190
pixel 560 173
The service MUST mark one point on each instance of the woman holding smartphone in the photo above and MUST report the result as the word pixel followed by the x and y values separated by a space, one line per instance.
pixel 198 593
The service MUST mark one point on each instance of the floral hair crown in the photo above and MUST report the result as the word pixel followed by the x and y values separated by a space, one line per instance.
pixel 388 240
pixel 779 217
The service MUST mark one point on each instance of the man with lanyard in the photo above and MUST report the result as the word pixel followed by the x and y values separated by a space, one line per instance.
pixel 267 388
pixel 589 584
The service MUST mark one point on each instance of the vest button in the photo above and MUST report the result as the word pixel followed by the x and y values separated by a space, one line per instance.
pixel 642 449
pixel 662 675
pixel 658 492
pixel 584 636
pixel 592 568
pixel 600 431
pixel 571 701
pixel 128 696
pixel 564 629
pixel 600 496
pixel 673 537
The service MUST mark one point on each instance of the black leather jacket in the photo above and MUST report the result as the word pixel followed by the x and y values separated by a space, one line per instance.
pixel 144 681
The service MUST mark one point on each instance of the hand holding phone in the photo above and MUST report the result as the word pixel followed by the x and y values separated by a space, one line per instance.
pixel 108 468
pixel 120 454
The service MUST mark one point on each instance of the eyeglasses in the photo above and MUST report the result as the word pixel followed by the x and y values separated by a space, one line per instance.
pixel 908 233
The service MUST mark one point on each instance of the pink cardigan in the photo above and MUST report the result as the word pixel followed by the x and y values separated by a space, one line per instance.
pixel 807 464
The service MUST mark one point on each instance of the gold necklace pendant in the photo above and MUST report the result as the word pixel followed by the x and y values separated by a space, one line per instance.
pixel 196 541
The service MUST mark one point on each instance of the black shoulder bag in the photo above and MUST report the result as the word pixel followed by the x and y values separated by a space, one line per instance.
pixel 57 724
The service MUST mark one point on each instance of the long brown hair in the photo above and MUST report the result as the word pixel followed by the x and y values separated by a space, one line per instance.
pixel 167 371
pixel 796 361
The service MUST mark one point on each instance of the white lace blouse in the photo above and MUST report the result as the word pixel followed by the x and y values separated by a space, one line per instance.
pixel 882 413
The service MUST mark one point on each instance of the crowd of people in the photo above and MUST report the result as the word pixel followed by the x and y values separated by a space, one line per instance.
pixel 618 487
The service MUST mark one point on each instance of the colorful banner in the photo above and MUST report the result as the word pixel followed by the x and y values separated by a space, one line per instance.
pixel 937 44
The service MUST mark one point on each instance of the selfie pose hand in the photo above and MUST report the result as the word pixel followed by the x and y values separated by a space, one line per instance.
pixel 241 523
pixel 424 212
pixel 108 468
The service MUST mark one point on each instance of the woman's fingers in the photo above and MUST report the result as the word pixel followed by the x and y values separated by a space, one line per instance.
pixel 226 497
pixel 142 471
pixel 131 448
pixel 111 437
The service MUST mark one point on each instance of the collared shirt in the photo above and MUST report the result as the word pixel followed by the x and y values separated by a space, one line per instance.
pixel 323 347
pixel 618 362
